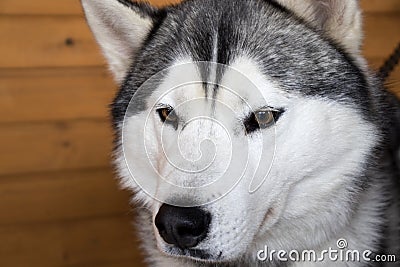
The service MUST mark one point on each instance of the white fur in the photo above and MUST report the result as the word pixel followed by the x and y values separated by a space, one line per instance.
pixel 119 31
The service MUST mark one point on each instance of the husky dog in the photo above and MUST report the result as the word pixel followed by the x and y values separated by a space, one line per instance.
pixel 279 85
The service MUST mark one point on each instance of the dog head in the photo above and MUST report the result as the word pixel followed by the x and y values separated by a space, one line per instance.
pixel 239 123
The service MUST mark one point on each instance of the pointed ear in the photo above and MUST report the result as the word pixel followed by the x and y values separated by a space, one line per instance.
pixel 120 27
pixel 340 19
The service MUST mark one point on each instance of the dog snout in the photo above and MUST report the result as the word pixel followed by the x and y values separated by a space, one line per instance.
pixel 183 227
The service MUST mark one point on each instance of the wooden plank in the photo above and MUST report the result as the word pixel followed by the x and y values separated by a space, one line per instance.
pixel 54 94
pixel 54 146
pixel 394 87
pixel 107 241
pixel 380 6
pixel 47 41
pixel 122 263
pixel 46 7
pixel 60 196
pixel 27 7
pixel 382 34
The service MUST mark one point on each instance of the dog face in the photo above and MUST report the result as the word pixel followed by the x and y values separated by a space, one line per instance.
pixel 238 123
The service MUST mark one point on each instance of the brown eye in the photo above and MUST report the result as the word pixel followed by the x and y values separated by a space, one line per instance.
pixel 264 118
pixel 167 115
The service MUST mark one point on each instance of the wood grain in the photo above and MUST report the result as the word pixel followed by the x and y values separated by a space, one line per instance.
pixel 380 6
pixel 102 241
pixel 382 34
pixel 38 147
pixel 42 7
pixel 27 95
pixel 47 41
pixel 59 7
pixel 52 197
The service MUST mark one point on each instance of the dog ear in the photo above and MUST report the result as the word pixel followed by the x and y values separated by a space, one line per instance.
pixel 120 27
pixel 340 19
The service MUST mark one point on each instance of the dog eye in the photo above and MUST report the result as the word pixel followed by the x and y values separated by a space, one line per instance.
pixel 167 115
pixel 261 119
pixel 264 118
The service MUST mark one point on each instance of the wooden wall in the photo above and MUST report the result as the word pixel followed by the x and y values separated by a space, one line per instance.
pixel 59 203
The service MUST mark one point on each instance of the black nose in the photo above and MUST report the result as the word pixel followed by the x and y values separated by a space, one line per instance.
pixel 183 227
